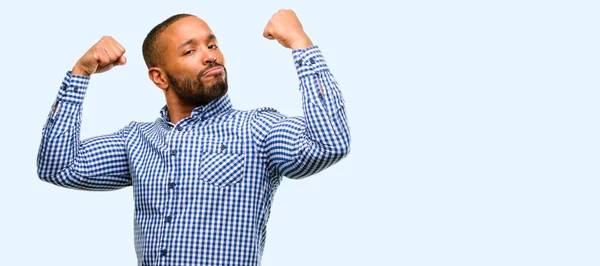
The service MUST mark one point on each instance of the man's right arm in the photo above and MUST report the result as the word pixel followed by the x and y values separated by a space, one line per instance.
pixel 98 163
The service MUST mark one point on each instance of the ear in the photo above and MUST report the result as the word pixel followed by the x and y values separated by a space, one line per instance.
pixel 158 77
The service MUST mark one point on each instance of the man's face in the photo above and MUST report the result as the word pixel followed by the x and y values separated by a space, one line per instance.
pixel 193 61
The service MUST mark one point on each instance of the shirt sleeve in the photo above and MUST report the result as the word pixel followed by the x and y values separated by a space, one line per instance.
pixel 97 163
pixel 298 147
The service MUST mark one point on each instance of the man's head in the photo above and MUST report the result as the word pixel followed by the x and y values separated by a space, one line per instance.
pixel 184 60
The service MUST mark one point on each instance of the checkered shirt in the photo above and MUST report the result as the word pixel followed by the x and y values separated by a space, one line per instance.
pixel 203 187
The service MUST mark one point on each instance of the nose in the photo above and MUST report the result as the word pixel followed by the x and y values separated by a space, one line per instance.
pixel 210 58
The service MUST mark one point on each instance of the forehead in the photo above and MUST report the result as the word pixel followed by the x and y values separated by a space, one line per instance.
pixel 184 30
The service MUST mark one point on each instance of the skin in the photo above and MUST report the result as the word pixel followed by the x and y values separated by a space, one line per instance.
pixel 188 48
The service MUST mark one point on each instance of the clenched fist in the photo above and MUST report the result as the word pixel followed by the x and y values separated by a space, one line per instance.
pixel 103 55
pixel 285 27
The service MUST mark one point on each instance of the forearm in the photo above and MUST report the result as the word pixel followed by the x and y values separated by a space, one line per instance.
pixel 60 135
pixel 322 104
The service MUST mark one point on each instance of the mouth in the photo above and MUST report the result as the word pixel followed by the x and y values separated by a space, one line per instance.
pixel 213 71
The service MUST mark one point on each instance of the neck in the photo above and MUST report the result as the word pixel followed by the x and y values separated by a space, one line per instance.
pixel 178 109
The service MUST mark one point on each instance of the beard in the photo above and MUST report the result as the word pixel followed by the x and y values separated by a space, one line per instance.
pixel 194 92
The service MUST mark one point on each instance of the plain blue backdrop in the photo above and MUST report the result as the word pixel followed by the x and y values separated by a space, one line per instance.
pixel 475 137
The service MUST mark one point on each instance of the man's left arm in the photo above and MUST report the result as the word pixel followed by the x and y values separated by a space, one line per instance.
pixel 301 146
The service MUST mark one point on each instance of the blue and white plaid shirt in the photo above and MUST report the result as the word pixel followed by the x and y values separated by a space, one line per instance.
pixel 202 187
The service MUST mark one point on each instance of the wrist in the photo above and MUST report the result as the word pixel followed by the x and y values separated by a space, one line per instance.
pixel 80 70
pixel 301 43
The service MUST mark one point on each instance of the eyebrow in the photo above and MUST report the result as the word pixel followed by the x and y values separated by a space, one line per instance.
pixel 211 37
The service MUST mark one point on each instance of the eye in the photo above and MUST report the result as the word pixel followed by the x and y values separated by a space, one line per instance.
pixel 188 52
pixel 213 46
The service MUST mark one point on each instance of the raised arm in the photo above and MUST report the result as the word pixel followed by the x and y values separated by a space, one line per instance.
pixel 98 163
pixel 301 146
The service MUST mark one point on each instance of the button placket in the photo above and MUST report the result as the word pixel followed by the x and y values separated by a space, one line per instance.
pixel 171 185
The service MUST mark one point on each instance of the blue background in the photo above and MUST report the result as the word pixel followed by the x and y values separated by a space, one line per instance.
pixel 475 137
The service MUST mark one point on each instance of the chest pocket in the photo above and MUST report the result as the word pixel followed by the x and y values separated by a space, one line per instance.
pixel 222 163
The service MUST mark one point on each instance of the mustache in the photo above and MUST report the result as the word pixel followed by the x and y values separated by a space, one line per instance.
pixel 210 66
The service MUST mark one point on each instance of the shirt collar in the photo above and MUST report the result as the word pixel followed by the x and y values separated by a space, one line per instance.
pixel 214 108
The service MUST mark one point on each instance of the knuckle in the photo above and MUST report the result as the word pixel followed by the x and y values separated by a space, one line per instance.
pixel 102 58
pixel 107 39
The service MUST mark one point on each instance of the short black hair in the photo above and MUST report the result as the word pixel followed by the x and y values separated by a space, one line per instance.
pixel 150 47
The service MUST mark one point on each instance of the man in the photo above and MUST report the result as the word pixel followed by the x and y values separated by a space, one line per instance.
pixel 203 174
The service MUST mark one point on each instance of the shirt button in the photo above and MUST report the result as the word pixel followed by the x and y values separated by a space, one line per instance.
pixel 168 218
pixel 223 147
pixel 202 118
pixel 179 128
pixel 300 62
pixel 75 88
pixel 173 152
pixel 312 60
pixel 320 95
pixel 163 252
pixel 172 185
